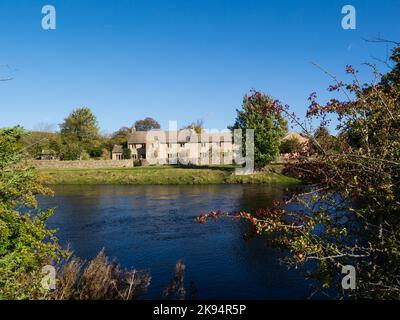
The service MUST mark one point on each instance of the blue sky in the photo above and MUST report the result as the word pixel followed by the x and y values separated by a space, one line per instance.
pixel 176 60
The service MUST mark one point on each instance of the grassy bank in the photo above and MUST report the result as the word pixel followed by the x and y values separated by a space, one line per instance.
pixel 161 175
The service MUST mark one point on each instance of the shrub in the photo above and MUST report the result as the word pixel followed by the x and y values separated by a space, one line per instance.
pixel 259 112
pixel 350 211
pixel 290 146
pixel 99 279
pixel 96 152
pixel 26 245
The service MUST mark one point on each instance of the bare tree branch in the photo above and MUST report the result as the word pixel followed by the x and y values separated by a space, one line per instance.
pixel 378 39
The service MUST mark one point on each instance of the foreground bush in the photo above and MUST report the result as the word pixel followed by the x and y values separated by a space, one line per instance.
pixel 350 211
pixel 26 245
pixel 99 279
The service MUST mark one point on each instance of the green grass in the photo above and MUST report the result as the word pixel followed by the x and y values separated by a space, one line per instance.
pixel 162 175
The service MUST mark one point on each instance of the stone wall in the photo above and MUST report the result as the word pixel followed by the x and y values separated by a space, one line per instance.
pixel 81 164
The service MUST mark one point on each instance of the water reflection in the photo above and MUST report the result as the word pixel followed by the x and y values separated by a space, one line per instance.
pixel 151 227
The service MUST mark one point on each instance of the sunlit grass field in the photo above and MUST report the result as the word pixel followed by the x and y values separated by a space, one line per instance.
pixel 161 175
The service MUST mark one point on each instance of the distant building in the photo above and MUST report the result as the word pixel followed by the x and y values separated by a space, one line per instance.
pixel 185 147
pixel 48 155
pixel 180 147
pixel 292 135
pixel 116 153
pixel 305 142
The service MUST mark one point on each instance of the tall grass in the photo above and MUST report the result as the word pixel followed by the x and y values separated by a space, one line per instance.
pixel 175 290
pixel 99 279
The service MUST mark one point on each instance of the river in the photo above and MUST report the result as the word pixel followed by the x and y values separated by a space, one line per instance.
pixel 151 227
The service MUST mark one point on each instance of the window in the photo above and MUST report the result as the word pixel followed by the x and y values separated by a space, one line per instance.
pixel 182 145
pixel 203 144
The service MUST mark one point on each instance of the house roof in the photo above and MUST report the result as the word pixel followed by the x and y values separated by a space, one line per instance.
pixel 185 135
pixel 295 135
pixel 117 149
pixel 137 137
pixel 48 152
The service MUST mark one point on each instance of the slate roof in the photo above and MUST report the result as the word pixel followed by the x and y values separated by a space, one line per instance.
pixel 117 149
pixel 176 136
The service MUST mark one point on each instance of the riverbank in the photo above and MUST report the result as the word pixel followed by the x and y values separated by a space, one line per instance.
pixel 162 175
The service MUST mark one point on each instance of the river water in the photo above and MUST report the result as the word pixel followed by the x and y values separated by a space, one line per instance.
pixel 151 227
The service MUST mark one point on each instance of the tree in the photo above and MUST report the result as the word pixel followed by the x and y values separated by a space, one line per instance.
pixel 357 191
pixel 197 126
pixel 78 132
pixel 290 146
pixel 350 212
pixel 38 141
pixel 324 139
pixel 81 124
pixel 70 149
pixel 119 137
pixel 259 112
pixel 146 124
pixel 26 245
pixel 96 152
pixel 126 153
pixel 392 78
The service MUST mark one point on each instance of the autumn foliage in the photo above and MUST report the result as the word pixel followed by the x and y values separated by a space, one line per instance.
pixel 348 212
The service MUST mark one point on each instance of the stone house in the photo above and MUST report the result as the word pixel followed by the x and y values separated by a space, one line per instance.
pixel 185 147
pixel 48 155
pixel 293 135
pixel 180 147
pixel 305 143
pixel 116 153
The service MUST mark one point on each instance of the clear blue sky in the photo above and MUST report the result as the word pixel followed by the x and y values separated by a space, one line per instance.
pixel 176 60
